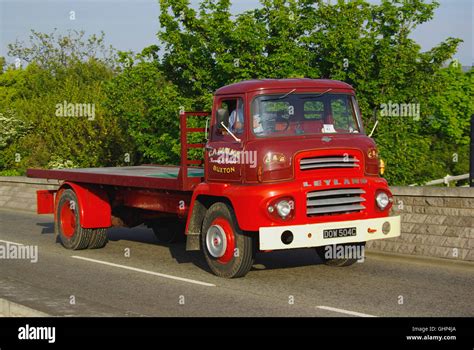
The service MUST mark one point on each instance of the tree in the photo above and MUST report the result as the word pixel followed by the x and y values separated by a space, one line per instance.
pixel 366 45
pixel 138 97
pixel 3 62
pixel 54 50
pixel 36 94
pixel 148 107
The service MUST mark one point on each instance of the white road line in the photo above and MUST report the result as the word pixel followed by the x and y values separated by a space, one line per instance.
pixel 146 271
pixel 8 242
pixel 342 311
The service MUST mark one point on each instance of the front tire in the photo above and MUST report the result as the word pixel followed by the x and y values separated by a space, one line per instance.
pixel 228 251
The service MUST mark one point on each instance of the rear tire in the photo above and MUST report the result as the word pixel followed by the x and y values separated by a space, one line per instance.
pixel 98 238
pixel 70 232
pixel 229 253
pixel 338 262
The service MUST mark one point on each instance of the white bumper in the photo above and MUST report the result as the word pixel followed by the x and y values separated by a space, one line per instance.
pixel 311 235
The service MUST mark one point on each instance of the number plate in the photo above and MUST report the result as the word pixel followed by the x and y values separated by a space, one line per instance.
pixel 340 232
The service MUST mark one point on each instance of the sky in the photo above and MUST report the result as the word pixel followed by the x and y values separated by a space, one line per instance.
pixel 133 24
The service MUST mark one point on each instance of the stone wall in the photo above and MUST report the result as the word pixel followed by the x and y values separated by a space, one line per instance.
pixel 19 193
pixel 436 222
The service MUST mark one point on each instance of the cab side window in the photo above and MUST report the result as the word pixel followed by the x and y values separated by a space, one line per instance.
pixel 230 112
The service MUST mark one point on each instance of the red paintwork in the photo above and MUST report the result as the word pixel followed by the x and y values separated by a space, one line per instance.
pixel 279 84
pixel 154 200
pixel 67 220
pixel 229 234
pixel 250 202
pixel 94 207
pixel 45 201
pixel 249 189
pixel 187 183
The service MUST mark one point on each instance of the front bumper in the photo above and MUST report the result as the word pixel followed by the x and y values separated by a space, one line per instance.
pixel 311 235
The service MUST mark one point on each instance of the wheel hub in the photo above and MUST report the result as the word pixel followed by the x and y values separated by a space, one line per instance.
pixel 216 241
pixel 67 220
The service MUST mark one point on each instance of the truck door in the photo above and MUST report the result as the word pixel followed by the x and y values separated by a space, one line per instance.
pixel 224 149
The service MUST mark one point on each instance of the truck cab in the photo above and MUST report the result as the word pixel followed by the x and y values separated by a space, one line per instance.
pixel 291 162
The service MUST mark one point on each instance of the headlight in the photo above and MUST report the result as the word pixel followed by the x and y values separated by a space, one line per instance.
pixel 284 208
pixel 382 199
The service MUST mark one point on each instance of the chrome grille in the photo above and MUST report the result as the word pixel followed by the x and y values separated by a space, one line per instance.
pixel 343 161
pixel 336 201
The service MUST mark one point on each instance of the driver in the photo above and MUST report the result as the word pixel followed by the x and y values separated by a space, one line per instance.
pixel 257 125
pixel 236 119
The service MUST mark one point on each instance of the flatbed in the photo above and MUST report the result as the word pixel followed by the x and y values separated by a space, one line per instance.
pixel 144 176
pixel 286 165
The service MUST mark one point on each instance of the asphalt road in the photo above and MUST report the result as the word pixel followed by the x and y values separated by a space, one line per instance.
pixel 135 276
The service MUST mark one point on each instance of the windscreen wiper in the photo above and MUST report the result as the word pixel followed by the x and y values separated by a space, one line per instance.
pixel 280 97
pixel 315 96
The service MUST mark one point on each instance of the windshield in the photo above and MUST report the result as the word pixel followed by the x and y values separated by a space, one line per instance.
pixel 304 114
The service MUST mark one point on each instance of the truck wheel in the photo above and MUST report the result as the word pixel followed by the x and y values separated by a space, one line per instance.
pixel 339 262
pixel 228 252
pixel 98 238
pixel 168 231
pixel 71 234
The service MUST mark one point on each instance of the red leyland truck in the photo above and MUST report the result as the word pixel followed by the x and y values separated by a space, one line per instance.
pixel 286 165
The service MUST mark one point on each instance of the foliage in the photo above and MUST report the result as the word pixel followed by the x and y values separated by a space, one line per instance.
pixel 54 50
pixel 147 106
pixel 366 45
pixel 36 91
pixel 11 128
pixel 137 97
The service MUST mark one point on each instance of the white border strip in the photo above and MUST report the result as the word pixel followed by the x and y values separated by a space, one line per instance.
pixel 146 271
pixel 342 311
